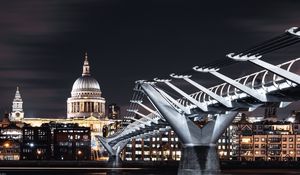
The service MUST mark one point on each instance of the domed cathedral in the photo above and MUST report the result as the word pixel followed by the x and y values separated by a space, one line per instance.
pixel 86 97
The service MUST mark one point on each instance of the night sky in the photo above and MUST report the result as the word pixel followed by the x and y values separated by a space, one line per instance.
pixel 42 43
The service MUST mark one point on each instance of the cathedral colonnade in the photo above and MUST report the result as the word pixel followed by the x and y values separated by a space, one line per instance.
pixel 86 106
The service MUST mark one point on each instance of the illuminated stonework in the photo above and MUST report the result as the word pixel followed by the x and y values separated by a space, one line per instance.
pixel 85 97
pixel 85 107
pixel 17 113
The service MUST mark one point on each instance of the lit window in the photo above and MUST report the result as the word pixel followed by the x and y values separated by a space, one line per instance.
pixel 165 139
pixel 246 140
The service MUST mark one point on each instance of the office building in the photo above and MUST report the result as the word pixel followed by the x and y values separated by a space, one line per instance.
pixel 36 143
pixel 72 142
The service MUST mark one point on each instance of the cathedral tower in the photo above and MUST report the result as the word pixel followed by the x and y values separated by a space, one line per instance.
pixel 17 113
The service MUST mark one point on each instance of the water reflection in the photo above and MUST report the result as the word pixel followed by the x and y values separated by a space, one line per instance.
pixel 145 171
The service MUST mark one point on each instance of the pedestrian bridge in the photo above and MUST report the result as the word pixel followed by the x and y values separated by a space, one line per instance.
pixel 217 105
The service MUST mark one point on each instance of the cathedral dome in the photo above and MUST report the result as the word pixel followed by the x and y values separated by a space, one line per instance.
pixel 86 83
pixel 86 86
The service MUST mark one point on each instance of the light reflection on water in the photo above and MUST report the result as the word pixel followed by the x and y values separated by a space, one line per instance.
pixel 160 171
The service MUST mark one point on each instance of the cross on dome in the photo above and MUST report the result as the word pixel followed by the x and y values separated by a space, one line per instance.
pixel 86 66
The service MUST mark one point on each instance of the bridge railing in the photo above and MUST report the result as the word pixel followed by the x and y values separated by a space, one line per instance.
pixel 263 81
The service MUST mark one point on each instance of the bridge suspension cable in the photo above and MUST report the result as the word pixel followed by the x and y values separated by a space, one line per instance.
pixel 290 37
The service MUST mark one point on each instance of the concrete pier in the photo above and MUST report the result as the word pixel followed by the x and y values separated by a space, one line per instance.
pixel 114 162
pixel 199 160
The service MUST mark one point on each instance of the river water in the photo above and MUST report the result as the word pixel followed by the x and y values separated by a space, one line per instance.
pixel 138 171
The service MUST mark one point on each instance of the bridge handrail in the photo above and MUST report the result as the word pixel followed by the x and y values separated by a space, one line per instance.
pixel 201 97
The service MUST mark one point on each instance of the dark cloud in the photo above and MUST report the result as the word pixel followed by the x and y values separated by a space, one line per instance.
pixel 42 43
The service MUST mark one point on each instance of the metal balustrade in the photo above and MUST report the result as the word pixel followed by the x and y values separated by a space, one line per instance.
pixel 268 82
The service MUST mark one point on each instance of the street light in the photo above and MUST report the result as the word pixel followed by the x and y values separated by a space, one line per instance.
pixel 6 145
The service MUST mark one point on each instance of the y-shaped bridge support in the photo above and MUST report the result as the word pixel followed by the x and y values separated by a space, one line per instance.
pixel 114 160
pixel 199 154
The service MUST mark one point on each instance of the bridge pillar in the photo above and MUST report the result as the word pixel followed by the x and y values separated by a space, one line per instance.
pixel 114 160
pixel 197 160
pixel 199 154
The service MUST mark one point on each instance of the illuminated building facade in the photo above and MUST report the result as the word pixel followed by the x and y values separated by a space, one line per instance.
pixel 163 147
pixel 267 141
pixel 72 142
pixel 36 143
pixel 10 139
pixel 242 141
pixel 56 141
pixel 9 149
pixel 96 128
pixel 85 107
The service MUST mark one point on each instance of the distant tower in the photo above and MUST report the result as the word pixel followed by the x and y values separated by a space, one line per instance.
pixel 113 111
pixel 17 113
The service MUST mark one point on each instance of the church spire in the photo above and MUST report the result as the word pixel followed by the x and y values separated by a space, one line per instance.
pixel 86 66
pixel 17 112
pixel 18 95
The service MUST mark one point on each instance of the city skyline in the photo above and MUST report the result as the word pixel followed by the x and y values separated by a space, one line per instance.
pixel 43 44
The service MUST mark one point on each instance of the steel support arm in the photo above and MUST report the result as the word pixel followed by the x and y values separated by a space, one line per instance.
pixel 220 99
pixel 175 102
pixel 146 117
pixel 191 99
pixel 142 122
pixel 148 109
